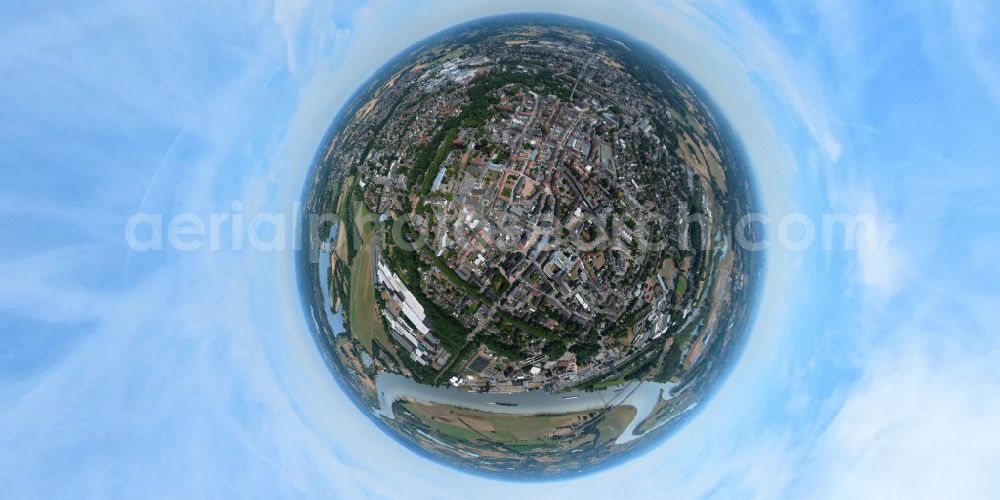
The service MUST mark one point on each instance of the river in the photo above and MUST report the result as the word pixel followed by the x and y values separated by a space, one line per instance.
pixel 643 396
pixel 335 320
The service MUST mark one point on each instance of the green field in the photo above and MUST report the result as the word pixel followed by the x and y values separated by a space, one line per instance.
pixel 681 286
pixel 364 315
pixel 614 423
pixel 521 432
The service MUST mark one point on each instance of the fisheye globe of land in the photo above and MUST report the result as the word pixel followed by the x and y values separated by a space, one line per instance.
pixel 531 269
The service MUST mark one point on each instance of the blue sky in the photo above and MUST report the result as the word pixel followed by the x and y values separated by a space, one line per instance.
pixel 871 372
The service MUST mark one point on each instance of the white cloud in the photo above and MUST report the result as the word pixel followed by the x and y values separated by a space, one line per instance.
pixel 202 368
pixel 881 259
pixel 920 423
pixel 197 377
pixel 975 22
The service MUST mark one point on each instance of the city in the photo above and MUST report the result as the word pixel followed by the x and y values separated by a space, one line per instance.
pixel 531 209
